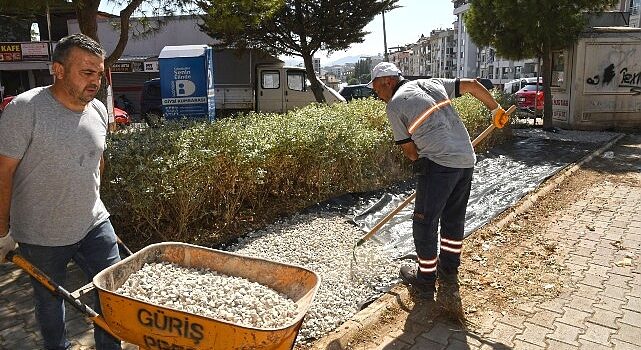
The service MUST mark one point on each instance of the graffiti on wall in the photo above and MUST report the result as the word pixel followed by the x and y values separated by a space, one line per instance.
pixel 613 68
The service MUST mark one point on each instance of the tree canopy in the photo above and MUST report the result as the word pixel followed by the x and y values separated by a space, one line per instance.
pixel 291 27
pixel 526 29
pixel 362 71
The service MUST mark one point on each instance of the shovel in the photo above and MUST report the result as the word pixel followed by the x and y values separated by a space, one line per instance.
pixel 383 221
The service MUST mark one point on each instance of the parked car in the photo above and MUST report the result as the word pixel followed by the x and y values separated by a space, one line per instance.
pixel 151 103
pixel 513 86
pixel 5 102
pixel 121 117
pixel 530 98
pixel 356 91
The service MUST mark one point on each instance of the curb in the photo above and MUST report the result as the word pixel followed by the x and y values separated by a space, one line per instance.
pixel 340 338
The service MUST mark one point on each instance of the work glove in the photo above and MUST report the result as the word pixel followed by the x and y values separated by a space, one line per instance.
pixel 499 117
pixel 7 244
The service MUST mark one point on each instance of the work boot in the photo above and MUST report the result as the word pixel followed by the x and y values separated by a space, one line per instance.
pixel 420 289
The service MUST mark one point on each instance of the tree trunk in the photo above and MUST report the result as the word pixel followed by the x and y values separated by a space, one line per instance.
pixel 125 17
pixel 547 91
pixel 307 54
pixel 317 88
pixel 87 11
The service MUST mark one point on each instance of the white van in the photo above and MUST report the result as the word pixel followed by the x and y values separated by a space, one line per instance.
pixel 512 86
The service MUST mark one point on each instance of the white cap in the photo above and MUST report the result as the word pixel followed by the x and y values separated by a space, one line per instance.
pixel 384 69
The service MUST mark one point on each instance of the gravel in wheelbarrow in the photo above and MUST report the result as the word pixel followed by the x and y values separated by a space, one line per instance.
pixel 181 296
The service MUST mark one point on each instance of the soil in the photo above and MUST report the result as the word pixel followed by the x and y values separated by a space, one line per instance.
pixel 507 267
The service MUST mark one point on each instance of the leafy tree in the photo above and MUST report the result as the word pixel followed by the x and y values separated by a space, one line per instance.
pixel 291 27
pixel 352 80
pixel 524 29
pixel 362 71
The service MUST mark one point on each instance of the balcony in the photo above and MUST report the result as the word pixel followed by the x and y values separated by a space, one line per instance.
pixel 459 3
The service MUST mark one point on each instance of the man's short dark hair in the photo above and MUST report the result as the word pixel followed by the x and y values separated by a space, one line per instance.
pixel 80 41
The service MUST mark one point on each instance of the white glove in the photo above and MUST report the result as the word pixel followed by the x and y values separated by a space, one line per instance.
pixel 7 244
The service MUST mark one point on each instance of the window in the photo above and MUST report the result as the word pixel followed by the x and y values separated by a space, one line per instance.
pixel 558 69
pixel 296 80
pixel 515 87
pixel 271 80
pixel 517 72
pixel 529 70
pixel 504 72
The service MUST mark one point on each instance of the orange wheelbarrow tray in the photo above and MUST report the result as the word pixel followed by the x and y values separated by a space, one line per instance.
pixel 153 326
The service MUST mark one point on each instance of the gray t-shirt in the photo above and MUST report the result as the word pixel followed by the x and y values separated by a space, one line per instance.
pixel 56 187
pixel 442 137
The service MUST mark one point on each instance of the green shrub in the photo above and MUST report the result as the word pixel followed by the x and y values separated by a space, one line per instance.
pixel 206 183
pixel 477 118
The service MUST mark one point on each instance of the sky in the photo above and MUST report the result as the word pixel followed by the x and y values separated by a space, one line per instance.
pixel 404 25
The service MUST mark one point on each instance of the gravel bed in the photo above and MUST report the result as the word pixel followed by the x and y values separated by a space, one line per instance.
pixel 323 242
pixel 211 294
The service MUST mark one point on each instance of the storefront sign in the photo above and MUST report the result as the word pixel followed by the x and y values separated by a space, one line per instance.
pixel 35 51
pixel 151 66
pixel 28 51
pixel 121 67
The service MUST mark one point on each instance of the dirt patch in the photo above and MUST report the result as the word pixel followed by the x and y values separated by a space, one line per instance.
pixel 505 269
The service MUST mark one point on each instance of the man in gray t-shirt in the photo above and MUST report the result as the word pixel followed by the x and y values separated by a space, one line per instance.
pixel 51 144
pixel 431 133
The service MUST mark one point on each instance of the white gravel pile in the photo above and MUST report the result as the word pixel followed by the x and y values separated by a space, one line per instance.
pixel 211 294
pixel 323 242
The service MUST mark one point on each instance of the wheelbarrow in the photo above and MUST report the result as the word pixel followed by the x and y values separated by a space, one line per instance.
pixel 153 326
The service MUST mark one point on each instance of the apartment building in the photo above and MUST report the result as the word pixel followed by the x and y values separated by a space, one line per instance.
pixel 483 62
pixel 432 55
pixel 467 63
pixel 442 49
pixel 401 57
pixel 316 62
pixel 473 61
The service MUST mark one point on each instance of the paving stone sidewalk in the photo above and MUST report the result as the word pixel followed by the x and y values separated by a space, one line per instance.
pixel 18 327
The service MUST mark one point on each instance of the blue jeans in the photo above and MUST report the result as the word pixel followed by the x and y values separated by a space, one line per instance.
pixel 441 197
pixel 96 251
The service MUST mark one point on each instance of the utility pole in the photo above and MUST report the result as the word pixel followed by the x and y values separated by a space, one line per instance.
pixel 385 55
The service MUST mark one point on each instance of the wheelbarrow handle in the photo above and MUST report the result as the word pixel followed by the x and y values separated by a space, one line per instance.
pixel 58 290
pixel 123 246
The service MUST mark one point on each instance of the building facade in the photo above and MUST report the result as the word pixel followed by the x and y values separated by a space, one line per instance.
pixel 483 62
